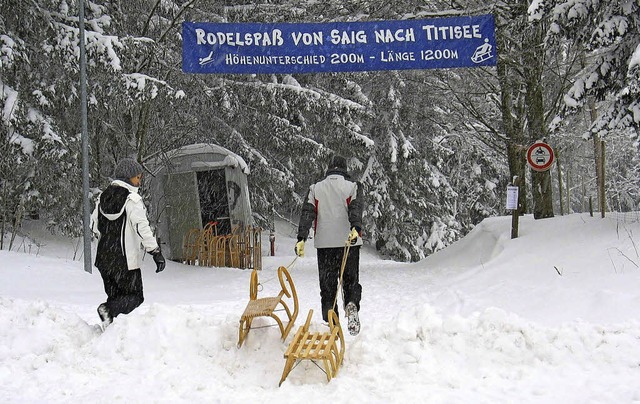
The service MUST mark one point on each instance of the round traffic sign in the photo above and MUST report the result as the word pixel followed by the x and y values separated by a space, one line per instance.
pixel 540 156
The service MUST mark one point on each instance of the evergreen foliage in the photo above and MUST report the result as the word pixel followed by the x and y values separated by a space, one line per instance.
pixel 609 31
pixel 607 86
pixel 429 147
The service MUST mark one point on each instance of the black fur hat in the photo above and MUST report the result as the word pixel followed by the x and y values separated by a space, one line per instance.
pixel 338 162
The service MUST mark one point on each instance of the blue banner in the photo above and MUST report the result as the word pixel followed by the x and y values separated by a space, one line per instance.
pixel 246 48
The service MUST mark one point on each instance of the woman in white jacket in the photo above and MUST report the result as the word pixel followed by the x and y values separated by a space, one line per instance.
pixel 120 222
pixel 333 207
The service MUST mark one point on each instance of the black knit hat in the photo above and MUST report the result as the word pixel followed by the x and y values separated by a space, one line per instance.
pixel 338 162
pixel 127 168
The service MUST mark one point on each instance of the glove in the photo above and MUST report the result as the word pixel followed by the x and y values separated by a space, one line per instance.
pixel 299 248
pixel 158 259
pixel 353 235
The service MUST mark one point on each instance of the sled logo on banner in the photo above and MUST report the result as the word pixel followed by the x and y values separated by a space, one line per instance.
pixel 248 48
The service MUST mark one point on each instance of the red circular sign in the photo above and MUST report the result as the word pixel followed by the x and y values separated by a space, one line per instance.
pixel 540 156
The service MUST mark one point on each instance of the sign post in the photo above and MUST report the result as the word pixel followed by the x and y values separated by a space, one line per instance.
pixel 86 207
pixel 512 205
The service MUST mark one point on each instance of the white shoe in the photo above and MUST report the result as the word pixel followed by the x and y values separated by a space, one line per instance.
pixel 103 312
pixel 353 322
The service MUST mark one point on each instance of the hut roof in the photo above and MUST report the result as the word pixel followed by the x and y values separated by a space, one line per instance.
pixel 231 159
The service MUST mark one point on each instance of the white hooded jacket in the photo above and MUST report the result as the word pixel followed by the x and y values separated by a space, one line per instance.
pixel 136 234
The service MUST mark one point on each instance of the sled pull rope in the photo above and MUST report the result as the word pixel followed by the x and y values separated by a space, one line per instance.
pixel 345 254
pixel 274 277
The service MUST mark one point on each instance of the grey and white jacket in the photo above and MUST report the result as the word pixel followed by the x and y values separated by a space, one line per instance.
pixel 333 206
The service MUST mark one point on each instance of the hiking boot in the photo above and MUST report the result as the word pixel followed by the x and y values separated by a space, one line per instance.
pixel 103 312
pixel 353 322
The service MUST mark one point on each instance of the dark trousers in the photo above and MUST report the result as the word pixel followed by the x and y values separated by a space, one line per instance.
pixel 123 288
pixel 329 263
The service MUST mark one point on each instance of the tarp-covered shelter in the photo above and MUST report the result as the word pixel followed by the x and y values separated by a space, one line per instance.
pixel 196 185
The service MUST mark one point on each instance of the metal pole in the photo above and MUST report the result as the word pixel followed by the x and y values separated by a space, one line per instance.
pixel 86 217
pixel 601 193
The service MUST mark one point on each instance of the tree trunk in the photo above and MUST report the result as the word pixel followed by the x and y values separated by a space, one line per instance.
pixel 510 111
pixel 598 155
pixel 601 193
pixel 533 66
pixel 568 193
pixel 541 189
pixel 4 214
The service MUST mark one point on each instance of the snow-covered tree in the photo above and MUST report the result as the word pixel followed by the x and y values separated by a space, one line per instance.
pixel 430 147
pixel 607 87
pixel 610 34
pixel 38 88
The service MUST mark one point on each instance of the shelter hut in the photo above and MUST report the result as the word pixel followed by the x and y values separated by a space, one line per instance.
pixel 200 192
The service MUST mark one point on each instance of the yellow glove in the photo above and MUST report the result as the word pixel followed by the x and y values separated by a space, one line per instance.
pixel 353 235
pixel 299 248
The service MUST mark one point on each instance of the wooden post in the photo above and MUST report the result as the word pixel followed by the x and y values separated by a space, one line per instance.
pixel 515 213
pixel 557 153
pixel 514 223
pixel 272 241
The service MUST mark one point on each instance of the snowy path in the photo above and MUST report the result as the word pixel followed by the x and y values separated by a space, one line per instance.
pixel 445 330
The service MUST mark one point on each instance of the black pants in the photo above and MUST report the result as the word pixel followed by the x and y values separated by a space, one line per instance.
pixel 123 288
pixel 329 262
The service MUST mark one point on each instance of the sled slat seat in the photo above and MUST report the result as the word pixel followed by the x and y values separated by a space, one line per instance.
pixel 327 347
pixel 261 307
pixel 266 306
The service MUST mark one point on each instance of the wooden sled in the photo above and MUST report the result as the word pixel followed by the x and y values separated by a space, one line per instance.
pixel 266 306
pixel 203 245
pixel 233 258
pixel 326 347
pixel 190 247
pixel 217 251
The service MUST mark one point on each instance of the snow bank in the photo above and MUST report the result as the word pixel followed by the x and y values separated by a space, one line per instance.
pixel 181 354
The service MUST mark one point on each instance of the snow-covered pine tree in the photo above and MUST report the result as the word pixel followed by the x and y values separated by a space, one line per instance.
pixel 38 88
pixel 607 88
pixel 410 204
pixel 610 33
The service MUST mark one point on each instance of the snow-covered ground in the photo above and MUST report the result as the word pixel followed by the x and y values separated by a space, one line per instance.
pixel 549 317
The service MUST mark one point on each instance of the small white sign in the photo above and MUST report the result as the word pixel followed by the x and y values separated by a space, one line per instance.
pixel 512 197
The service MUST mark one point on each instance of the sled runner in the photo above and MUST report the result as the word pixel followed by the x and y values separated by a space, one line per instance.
pixel 203 241
pixel 240 249
pixel 190 247
pixel 217 247
pixel 316 346
pixel 266 306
